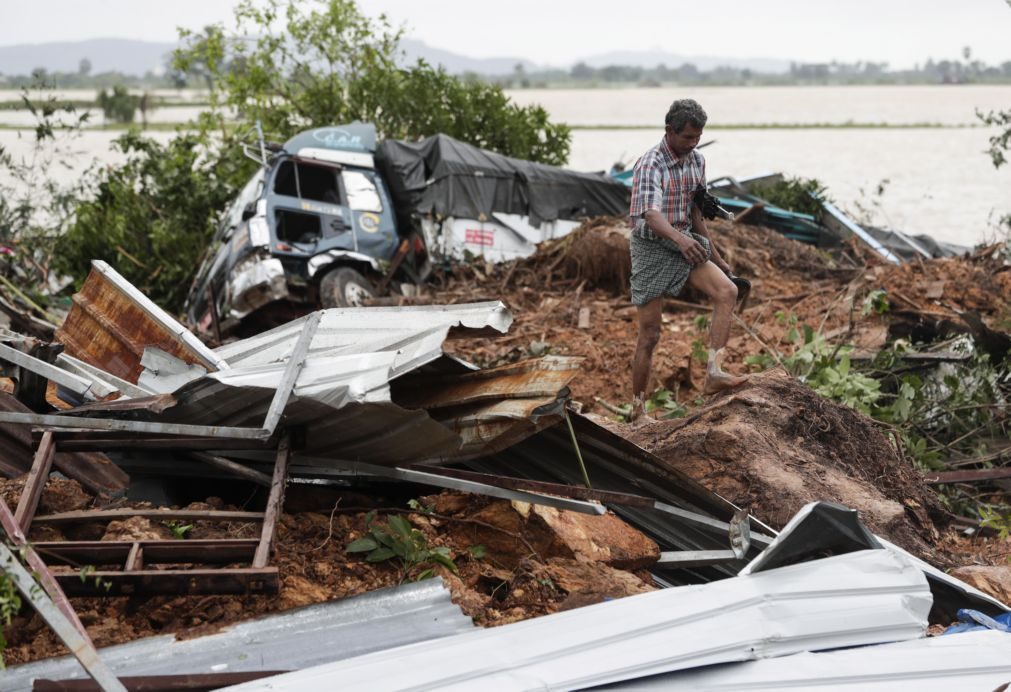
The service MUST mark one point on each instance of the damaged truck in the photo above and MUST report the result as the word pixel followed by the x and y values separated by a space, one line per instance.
pixel 333 217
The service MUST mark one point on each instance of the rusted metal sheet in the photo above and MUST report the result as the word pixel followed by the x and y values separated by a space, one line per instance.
pixel 190 682
pixel 111 323
pixel 532 379
pixel 92 470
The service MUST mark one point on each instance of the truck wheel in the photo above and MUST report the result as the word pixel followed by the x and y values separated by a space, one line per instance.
pixel 344 287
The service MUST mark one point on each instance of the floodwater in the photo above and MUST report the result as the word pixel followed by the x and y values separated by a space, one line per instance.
pixel 940 180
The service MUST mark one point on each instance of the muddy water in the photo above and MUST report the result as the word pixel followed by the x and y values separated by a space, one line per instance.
pixel 940 181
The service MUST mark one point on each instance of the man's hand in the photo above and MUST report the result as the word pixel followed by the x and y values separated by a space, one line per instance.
pixel 691 249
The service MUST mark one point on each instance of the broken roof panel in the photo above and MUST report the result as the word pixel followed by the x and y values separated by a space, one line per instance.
pixel 869 597
pixel 112 322
pixel 291 639
pixel 971 660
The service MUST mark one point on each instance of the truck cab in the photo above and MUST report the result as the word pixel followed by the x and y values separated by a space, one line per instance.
pixel 313 227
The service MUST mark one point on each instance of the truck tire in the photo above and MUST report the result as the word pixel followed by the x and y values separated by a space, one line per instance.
pixel 344 287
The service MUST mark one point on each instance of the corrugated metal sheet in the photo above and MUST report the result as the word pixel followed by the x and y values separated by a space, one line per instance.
pixel 93 470
pixel 857 599
pixel 968 661
pixel 111 323
pixel 616 464
pixel 342 395
pixel 290 640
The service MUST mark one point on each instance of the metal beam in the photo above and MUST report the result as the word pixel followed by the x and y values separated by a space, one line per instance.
pixel 291 370
pixel 344 469
pixel 77 385
pixel 695 558
pixel 87 370
pixel 80 646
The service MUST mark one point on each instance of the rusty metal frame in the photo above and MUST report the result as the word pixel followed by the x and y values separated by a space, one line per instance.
pixel 134 576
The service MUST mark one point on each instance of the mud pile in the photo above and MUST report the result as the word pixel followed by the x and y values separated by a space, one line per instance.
pixel 773 445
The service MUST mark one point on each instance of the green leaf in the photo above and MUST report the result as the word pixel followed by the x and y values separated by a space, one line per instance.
pixel 380 554
pixel 362 545
pixel 425 574
pixel 400 525
pixel 477 551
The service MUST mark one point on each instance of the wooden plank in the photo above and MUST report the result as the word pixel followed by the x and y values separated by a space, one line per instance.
pixel 187 682
pixel 37 478
pixel 207 551
pixel 242 580
pixel 83 516
pixel 971 476
pixel 135 559
pixel 274 503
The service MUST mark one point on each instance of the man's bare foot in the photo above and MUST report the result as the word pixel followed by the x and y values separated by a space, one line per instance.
pixel 721 381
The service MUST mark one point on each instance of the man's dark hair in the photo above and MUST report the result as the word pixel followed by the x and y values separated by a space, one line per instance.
pixel 683 112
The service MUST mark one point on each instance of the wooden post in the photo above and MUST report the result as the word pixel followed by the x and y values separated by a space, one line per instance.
pixel 274 504
pixel 37 478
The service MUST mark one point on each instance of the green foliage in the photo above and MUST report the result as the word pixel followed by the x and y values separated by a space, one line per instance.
pixel 991 517
pixel 34 207
pixel 666 401
pixel 1000 143
pixel 10 604
pixel 802 195
pixel 823 367
pixel 397 539
pixel 876 302
pixel 119 105
pixel 151 217
pixel 293 66
pixel 178 529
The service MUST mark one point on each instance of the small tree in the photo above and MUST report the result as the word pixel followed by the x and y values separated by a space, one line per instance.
pixel 119 106
pixel 324 62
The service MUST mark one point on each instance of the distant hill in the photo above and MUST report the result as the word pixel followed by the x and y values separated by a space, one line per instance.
pixel 106 55
pixel 137 57
pixel 458 64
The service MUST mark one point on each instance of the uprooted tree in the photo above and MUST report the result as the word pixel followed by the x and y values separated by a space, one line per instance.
pixel 290 66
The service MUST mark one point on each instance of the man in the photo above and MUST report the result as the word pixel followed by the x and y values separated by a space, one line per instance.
pixel 671 247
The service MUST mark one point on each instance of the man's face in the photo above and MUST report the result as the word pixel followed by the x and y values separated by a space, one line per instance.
pixel 683 142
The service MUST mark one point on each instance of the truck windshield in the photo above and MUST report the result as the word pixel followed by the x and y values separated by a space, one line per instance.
pixel 362 193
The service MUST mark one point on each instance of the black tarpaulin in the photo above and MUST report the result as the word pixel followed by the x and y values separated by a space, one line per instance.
pixel 446 177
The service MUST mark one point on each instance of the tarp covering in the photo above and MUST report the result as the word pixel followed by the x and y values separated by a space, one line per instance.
pixel 446 177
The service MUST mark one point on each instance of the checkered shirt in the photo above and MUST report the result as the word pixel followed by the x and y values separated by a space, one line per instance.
pixel 663 182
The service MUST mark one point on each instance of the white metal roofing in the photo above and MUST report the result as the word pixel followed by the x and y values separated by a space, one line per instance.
pixel 292 639
pixel 868 597
pixel 967 661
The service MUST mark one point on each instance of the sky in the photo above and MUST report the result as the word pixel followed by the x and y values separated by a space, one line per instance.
pixel 561 32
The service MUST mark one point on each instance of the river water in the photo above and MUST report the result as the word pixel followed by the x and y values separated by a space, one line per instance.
pixel 940 181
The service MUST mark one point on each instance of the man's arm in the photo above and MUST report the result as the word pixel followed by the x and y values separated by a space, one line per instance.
pixel 690 248
pixel 699 226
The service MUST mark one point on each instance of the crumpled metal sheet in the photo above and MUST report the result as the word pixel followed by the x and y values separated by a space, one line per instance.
pixel 968 661
pixel 112 322
pixel 287 640
pixel 863 598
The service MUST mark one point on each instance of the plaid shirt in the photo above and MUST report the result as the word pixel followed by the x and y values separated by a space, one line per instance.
pixel 664 182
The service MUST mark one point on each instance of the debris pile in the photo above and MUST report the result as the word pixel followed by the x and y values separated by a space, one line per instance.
pixel 169 488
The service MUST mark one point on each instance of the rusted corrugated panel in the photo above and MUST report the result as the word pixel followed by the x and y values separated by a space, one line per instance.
pixel 92 470
pixel 532 379
pixel 111 323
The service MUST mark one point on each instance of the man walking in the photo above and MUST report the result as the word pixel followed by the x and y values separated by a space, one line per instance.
pixel 671 247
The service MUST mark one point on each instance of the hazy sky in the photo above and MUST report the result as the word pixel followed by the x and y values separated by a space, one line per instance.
pixel 560 32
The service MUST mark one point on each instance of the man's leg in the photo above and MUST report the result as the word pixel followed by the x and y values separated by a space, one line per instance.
pixel 642 362
pixel 708 279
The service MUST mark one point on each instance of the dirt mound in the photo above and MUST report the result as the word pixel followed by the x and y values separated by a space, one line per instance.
pixel 775 445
